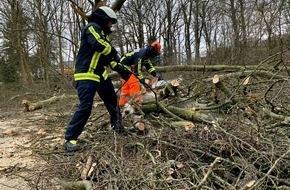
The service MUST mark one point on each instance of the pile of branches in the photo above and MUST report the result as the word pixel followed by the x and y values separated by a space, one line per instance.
pixel 206 158
pixel 239 139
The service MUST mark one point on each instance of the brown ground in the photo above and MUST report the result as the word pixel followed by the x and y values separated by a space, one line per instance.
pixel 243 150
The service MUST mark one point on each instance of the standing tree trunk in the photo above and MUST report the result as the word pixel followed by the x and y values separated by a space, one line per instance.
pixel 235 35
pixel 197 31
pixel 17 41
pixel 187 33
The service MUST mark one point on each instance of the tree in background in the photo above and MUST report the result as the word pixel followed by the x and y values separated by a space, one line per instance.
pixel 15 32
pixel 43 35
pixel 8 66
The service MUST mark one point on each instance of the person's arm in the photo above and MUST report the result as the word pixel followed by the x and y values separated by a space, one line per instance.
pixel 97 42
pixel 150 68
pixel 125 73
pixel 138 70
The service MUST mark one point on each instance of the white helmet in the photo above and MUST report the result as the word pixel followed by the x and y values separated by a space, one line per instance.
pixel 109 12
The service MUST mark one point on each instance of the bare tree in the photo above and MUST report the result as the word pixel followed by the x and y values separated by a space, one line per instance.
pixel 14 32
pixel 187 9
pixel 270 12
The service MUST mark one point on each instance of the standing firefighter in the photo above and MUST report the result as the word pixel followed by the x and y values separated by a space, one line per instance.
pixel 134 61
pixel 94 55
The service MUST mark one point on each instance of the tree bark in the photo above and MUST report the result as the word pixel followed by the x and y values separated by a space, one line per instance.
pixel 78 185
pixel 181 113
pixel 39 105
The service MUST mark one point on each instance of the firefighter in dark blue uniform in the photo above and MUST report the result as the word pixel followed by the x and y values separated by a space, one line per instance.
pixel 94 55
pixel 134 61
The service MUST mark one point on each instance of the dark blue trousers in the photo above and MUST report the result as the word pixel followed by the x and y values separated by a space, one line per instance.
pixel 86 93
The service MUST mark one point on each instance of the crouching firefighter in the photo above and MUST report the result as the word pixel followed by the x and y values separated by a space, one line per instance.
pixel 94 55
pixel 134 61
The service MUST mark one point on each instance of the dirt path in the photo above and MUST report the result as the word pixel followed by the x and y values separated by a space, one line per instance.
pixel 19 134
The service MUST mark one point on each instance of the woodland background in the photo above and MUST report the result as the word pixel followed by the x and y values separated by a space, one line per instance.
pixel 39 38
pixel 227 127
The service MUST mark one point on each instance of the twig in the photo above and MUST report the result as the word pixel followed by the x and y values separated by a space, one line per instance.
pixel 147 152
pixel 212 165
pixel 284 118
pixel 270 170
pixel 229 186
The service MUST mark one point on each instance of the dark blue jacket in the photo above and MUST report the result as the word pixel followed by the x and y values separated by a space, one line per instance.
pixel 95 51
pixel 139 58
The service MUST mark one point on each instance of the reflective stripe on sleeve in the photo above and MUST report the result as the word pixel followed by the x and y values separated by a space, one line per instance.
pixel 139 69
pixel 107 48
pixel 94 62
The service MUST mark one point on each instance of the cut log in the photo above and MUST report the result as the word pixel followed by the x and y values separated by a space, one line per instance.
pixel 87 168
pixel 117 5
pixel 171 89
pixel 181 114
pixel 218 84
pixel 78 185
pixel 39 105
pixel 187 125
pixel 140 126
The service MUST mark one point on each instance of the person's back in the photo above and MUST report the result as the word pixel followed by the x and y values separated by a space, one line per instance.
pixel 135 61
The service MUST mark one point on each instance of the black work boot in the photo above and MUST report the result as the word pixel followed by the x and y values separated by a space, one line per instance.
pixel 118 128
pixel 72 146
pixel 117 122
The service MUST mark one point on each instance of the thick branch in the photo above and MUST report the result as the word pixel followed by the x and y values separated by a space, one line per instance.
pixel 78 185
pixel 117 5
pixel 39 105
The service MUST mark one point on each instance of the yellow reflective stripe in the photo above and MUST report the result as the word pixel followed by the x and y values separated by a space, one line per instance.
pixel 105 75
pixel 151 69
pixel 128 67
pixel 107 36
pixel 122 59
pixel 74 142
pixel 113 64
pixel 149 62
pixel 141 77
pixel 126 55
pixel 94 62
pixel 151 66
pixel 107 49
pixel 86 76
pixel 139 68
pixel 129 54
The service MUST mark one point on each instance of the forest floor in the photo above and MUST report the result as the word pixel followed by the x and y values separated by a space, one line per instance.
pixel 17 134
pixel 21 135
pixel 244 149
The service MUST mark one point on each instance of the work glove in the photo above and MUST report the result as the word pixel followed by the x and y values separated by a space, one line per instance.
pixel 114 55
pixel 125 74
pixel 159 77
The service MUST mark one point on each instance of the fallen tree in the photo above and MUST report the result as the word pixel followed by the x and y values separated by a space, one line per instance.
pixel 213 131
